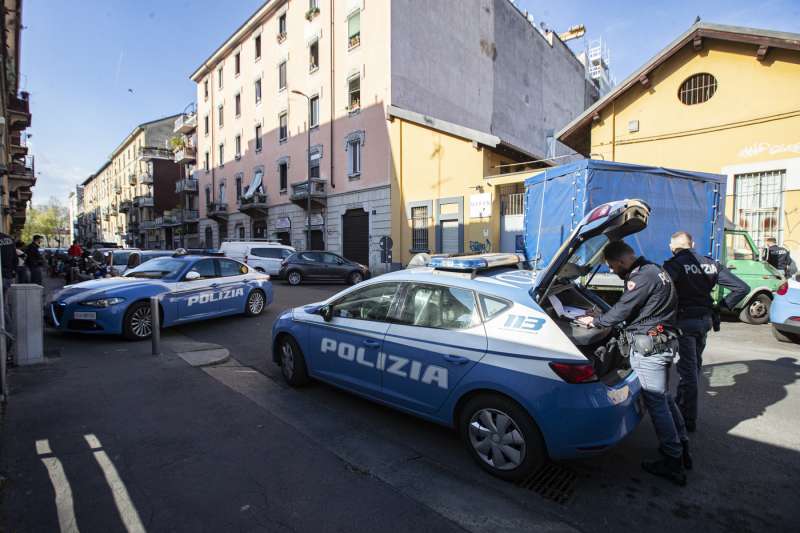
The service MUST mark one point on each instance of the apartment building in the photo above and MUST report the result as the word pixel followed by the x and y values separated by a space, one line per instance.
pixel 295 134
pixel 131 200
pixel 17 175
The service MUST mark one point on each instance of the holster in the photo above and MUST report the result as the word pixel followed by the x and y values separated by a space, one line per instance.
pixel 648 345
pixel 715 319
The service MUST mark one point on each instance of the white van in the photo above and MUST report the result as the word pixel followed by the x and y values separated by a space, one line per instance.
pixel 264 256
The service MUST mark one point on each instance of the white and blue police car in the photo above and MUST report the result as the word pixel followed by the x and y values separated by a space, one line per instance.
pixel 189 288
pixel 480 344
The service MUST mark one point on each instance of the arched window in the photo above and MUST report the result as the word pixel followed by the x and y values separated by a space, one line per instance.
pixel 697 88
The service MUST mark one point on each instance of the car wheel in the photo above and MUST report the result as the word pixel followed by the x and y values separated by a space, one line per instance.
pixel 294 277
pixel 783 336
pixel 757 310
pixel 502 437
pixel 138 322
pixel 261 270
pixel 255 303
pixel 355 278
pixel 293 363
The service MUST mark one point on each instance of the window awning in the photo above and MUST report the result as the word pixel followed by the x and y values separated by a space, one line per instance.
pixel 255 185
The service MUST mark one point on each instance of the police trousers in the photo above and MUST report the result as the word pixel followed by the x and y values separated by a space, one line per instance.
pixel 653 373
pixel 691 344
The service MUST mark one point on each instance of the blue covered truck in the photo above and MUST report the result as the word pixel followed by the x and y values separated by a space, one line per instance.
pixel 559 197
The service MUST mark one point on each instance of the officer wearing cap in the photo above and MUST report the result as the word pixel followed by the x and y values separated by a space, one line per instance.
pixel 778 256
pixel 695 277
pixel 647 309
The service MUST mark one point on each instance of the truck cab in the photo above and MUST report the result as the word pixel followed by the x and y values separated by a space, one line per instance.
pixel 742 257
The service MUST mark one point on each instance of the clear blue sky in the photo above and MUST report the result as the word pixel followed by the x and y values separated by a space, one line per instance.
pixel 80 58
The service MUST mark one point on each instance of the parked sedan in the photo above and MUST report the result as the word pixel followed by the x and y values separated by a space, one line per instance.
pixel 784 314
pixel 321 266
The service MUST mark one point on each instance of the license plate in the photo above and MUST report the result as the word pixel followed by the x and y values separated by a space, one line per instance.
pixel 85 315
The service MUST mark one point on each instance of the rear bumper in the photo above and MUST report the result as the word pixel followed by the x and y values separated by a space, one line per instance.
pixel 781 313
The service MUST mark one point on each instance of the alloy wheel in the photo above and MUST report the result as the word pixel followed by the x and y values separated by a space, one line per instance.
pixel 294 278
pixel 758 309
pixel 287 360
pixel 256 302
pixel 497 439
pixel 141 322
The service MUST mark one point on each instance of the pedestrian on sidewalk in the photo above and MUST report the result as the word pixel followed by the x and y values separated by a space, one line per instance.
pixel 35 260
pixel 23 275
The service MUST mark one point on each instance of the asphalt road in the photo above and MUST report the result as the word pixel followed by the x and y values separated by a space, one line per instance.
pixel 230 447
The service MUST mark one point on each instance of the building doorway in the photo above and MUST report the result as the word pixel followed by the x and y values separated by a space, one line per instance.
pixel 355 236
pixel 260 229
pixel 209 238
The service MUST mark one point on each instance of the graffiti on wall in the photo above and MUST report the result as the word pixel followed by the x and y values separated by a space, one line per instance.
pixel 769 148
pixel 478 247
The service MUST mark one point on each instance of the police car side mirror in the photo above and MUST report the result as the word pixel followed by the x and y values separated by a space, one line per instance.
pixel 326 312
pixel 192 275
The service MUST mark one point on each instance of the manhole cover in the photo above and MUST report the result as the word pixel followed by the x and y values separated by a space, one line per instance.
pixel 553 482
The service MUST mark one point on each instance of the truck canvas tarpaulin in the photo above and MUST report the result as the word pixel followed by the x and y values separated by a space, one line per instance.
pixel 558 198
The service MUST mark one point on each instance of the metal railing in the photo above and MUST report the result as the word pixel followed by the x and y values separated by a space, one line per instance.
pixel 513 204
pixel 151 152
pixel 186 185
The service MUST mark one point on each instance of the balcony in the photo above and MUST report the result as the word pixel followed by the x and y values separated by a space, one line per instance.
pixel 217 210
pixel 117 189
pixel 318 193
pixel 143 201
pixel 185 124
pixel 146 153
pixel 125 206
pixel 19 145
pixel 187 185
pixel 132 179
pixel 188 215
pixel 254 205
pixel 146 179
pixel 147 224
pixel 185 155
pixel 19 112
pixel 22 174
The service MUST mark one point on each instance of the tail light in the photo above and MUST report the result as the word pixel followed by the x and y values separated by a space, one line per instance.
pixel 599 212
pixel 783 289
pixel 572 373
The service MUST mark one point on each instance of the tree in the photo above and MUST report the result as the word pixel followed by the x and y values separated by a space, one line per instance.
pixel 50 221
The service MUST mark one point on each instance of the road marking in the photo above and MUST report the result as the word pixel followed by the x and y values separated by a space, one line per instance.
pixel 64 504
pixel 127 511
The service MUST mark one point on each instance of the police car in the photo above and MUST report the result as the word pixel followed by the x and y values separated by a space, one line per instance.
pixel 480 344
pixel 189 288
pixel 784 313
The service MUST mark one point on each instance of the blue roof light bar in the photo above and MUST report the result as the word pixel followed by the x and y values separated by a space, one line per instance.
pixel 475 262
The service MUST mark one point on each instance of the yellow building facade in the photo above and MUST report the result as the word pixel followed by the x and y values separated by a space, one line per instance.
pixel 718 99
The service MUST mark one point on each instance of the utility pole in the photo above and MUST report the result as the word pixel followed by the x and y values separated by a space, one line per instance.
pixel 308 169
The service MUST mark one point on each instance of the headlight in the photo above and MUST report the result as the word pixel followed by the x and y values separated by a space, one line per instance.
pixel 104 302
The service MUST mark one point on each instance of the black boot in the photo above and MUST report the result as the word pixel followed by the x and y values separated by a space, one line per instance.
pixel 686 458
pixel 669 468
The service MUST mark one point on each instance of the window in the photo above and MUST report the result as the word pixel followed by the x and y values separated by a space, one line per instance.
pixel 237 104
pixel 271 253
pixel 283 126
pixel 221 160
pixel 282 75
pixel 354 30
pixel 738 247
pixel 313 56
pixel 282 27
pixel 221 197
pixel 313 257
pixel 238 188
pixel 205 124
pixel 436 306
pixel 205 89
pixel 259 142
pixel 205 162
pixel 257 44
pixel 491 306
pixel 238 146
pixel 258 91
pixel 697 89
pixel 237 63
pixel 208 194
pixel 354 158
pixel 354 93
pixel 283 175
pixel 219 77
pixel 758 204
pixel 419 229
pixel 204 267
pixel 228 268
pixel 241 232
pixel 313 4
pixel 314 165
pixel 370 303
pixel 220 115
pixel 313 112
pixel 332 259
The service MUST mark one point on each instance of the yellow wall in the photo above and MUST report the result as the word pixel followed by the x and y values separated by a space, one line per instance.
pixel 427 165
pixel 753 119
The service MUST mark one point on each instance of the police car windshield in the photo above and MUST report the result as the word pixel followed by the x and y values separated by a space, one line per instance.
pixel 585 257
pixel 161 267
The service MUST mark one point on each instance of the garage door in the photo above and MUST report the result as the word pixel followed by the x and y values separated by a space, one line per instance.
pixel 450 240
pixel 355 236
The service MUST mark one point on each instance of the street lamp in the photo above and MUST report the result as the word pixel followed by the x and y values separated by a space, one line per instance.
pixel 308 170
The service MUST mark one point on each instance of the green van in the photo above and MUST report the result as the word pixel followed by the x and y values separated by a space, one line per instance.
pixel 743 258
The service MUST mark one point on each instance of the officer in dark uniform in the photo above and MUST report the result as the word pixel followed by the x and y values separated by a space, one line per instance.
pixel 777 256
pixel 695 277
pixel 647 311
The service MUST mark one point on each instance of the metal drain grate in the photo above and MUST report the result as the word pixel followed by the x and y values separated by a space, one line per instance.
pixel 553 482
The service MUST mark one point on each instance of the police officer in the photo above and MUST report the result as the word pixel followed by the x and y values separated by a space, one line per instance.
pixel 695 277
pixel 647 309
pixel 778 256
